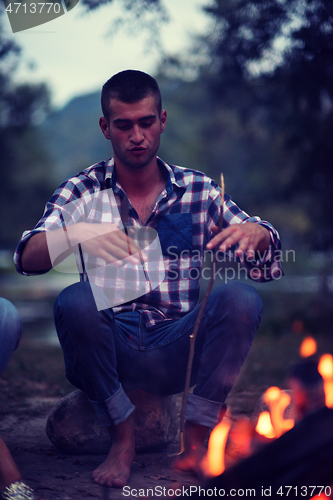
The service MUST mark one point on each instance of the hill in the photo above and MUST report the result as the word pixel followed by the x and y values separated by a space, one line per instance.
pixel 74 138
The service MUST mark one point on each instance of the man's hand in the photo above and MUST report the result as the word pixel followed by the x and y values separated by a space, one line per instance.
pixel 250 236
pixel 101 240
pixel 105 241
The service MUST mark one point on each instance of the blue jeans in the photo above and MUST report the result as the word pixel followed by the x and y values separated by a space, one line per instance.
pixel 107 354
pixel 10 331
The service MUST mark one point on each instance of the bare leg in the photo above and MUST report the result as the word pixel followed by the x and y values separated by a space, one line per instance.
pixel 116 469
pixel 194 448
pixel 9 473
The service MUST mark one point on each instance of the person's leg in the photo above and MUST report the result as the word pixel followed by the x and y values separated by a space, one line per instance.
pixel 232 317
pixel 116 469
pixel 87 337
pixel 10 331
pixel 9 472
pixel 11 483
pixel 10 335
pixel 230 320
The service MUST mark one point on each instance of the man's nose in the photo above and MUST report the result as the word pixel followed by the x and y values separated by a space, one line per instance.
pixel 137 135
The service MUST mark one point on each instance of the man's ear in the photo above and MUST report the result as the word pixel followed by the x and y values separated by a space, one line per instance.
pixel 103 123
pixel 163 120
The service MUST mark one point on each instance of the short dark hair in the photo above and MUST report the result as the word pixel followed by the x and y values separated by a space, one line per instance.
pixel 130 86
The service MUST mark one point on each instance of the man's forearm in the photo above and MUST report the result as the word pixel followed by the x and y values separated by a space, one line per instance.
pixel 48 248
pixel 35 256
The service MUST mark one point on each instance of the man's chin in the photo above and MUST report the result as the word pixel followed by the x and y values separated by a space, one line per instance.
pixel 136 166
pixel 137 163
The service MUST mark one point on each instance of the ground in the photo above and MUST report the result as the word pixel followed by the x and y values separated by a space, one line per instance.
pixel 33 383
pixel 59 476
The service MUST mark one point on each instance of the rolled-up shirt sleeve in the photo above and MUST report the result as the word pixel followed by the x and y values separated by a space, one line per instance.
pixel 55 217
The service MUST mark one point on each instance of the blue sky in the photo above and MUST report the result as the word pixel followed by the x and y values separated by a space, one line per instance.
pixel 75 54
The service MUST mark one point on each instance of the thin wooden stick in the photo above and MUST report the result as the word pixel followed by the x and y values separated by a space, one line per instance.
pixel 196 328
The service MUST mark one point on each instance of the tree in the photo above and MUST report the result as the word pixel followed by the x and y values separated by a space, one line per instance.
pixel 24 163
pixel 137 15
pixel 289 90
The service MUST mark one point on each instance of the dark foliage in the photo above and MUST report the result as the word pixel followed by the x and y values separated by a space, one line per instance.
pixel 290 91
pixel 24 163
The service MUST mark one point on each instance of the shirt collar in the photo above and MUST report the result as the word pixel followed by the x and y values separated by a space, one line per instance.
pixel 171 174
pixel 111 174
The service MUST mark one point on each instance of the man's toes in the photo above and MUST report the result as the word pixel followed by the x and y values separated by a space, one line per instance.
pixel 98 480
pixel 101 479
pixel 119 482
pixel 96 476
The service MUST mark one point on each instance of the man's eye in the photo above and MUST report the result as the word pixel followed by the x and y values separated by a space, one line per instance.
pixel 124 127
pixel 146 124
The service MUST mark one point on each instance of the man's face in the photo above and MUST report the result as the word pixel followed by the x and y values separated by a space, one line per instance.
pixel 134 131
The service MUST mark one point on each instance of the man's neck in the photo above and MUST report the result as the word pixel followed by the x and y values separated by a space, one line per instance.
pixel 140 181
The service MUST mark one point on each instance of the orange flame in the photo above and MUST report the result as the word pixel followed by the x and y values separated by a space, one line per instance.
pixel 278 401
pixel 264 426
pixel 214 463
pixel 272 394
pixel 308 347
pixel 325 368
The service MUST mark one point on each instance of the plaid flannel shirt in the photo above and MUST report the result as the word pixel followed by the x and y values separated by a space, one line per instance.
pixel 183 216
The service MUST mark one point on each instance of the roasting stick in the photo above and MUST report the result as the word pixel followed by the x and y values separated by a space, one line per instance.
pixel 196 328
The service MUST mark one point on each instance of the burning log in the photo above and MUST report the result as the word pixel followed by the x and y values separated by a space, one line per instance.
pixel 300 461
pixel 294 465
pixel 278 401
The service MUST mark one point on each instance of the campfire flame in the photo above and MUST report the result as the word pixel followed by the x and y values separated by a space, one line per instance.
pixel 308 347
pixel 277 402
pixel 325 368
pixel 214 462
pixel 264 426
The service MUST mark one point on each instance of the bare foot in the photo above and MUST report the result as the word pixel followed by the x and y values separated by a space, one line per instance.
pixel 116 469
pixel 194 444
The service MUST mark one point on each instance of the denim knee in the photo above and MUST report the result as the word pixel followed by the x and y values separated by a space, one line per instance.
pixel 77 301
pixel 240 298
pixel 10 331
pixel 76 314
pixel 77 297
pixel 10 322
